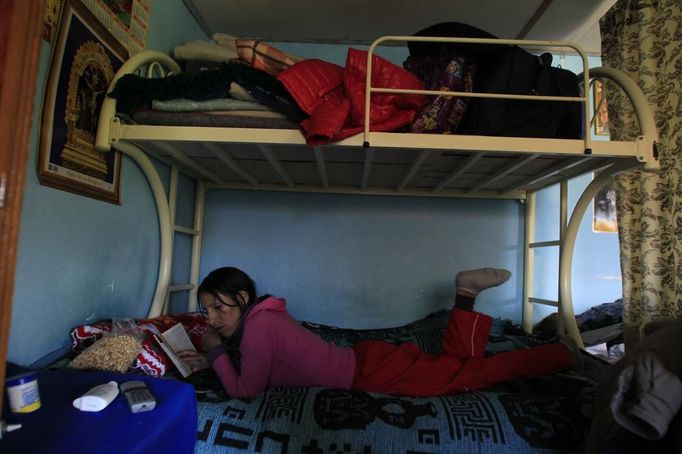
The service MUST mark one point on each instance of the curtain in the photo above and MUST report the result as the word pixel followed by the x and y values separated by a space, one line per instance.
pixel 643 38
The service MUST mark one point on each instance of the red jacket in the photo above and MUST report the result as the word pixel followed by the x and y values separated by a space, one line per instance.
pixel 334 97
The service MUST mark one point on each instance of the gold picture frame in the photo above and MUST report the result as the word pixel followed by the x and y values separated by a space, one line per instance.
pixel 51 20
pixel 85 58
pixel 601 110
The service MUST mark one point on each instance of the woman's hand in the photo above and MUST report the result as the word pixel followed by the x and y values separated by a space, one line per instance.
pixel 210 338
pixel 195 360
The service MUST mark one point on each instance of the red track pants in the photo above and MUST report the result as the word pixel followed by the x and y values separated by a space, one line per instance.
pixel 404 370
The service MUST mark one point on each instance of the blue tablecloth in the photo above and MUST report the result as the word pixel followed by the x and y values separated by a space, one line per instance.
pixel 58 427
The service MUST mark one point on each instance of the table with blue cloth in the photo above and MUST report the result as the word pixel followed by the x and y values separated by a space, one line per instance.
pixel 58 427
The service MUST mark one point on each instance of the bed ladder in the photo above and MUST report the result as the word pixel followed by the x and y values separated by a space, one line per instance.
pixel 195 232
pixel 166 208
pixel 529 264
pixel 566 323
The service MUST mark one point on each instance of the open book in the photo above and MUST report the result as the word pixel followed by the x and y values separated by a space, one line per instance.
pixel 173 340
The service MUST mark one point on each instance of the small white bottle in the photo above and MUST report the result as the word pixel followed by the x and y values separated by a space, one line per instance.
pixel 97 398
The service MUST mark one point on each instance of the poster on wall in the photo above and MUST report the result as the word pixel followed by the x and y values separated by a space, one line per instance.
pixel 84 60
pixel 126 20
pixel 604 218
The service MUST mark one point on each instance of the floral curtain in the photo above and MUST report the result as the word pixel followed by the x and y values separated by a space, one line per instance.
pixel 643 38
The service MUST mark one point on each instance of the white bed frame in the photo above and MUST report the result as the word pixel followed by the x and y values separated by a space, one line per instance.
pixel 484 167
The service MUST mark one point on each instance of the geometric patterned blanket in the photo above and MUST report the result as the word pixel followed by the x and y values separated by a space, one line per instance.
pixel 549 414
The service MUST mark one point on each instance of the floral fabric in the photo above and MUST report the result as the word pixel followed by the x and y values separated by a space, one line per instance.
pixel 447 71
pixel 644 39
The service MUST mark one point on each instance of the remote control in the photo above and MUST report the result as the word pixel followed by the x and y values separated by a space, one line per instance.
pixel 138 396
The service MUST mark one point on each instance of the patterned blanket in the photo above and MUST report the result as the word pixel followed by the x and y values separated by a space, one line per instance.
pixel 550 414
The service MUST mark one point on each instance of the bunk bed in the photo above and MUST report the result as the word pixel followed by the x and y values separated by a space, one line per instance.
pixel 395 164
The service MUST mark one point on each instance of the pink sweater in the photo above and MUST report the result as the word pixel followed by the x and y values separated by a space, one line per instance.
pixel 277 351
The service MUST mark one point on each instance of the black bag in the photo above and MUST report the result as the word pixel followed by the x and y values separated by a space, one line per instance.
pixel 510 70
pixel 522 73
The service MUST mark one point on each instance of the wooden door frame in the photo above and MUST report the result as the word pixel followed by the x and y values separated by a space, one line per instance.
pixel 21 25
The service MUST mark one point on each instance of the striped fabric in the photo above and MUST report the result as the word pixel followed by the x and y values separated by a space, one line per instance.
pixel 263 56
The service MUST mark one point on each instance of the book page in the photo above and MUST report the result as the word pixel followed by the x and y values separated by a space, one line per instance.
pixel 179 363
pixel 177 338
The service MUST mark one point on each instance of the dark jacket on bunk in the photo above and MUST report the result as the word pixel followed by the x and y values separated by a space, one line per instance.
pixel 133 92
pixel 637 408
pixel 334 97
pixel 500 68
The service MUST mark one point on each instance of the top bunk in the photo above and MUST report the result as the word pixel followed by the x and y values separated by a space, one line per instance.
pixel 392 162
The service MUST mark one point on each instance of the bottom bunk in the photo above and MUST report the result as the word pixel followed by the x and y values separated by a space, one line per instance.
pixel 548 414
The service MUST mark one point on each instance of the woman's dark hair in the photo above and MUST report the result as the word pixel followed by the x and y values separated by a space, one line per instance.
pixel 229 281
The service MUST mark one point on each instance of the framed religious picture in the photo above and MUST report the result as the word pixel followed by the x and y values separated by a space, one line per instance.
pixel 601 113
pixel 84 60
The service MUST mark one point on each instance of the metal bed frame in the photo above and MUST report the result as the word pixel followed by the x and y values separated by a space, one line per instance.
pixel 373 163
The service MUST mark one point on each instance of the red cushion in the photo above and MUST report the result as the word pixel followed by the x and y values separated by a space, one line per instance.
pixel 151 360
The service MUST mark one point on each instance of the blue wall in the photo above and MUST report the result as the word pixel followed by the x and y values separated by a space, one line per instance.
pixel 367 262
pixel 359 261
pixel 81 260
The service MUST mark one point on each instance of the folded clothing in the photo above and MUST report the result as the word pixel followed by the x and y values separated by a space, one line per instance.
pixel 202 50
pixel 133 92
pixel 639 397
pixel 225 40
pixel 211 119
pixel 254 53
pixel 222 104
pixel 647 398
pixel 247 113
pixel 263 56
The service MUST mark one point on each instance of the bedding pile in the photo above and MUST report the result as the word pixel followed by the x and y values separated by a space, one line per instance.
pixel 323 99
pixel 245 83
pixel 601 329
pixel 228 95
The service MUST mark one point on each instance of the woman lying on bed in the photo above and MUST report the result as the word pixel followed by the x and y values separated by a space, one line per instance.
pixel 278 352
